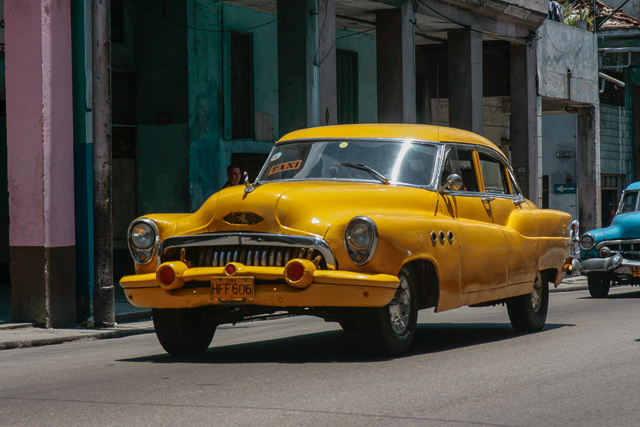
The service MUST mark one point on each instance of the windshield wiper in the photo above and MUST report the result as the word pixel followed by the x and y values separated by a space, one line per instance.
pixel 366 168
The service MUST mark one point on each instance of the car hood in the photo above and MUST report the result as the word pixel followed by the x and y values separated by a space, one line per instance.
pixel 624 226
pixel 304 208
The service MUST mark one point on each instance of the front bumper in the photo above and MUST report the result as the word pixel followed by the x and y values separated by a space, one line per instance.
pixel 327 288
pixel 613 264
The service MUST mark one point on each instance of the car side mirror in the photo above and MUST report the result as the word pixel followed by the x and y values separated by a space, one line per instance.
pixel 454 183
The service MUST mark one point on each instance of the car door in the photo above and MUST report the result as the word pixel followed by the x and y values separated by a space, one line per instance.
pixel 505 204
pixel 481 243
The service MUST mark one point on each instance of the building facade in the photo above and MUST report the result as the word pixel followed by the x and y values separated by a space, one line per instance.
pixel 197 85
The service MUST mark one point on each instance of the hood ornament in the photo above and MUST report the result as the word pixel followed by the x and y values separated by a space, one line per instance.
pixel 248 188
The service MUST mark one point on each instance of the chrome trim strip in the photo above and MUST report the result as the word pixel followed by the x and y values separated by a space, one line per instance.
pixel 250 239
pixel 134 251
pixel 617 242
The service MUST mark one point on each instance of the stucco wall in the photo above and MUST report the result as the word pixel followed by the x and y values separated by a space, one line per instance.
pixel 560 48
pixel 365 46
pixel 495 116
pixel 40 123
pixel 559 133
pixel 616 141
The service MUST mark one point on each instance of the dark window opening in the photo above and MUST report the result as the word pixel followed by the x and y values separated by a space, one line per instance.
pixel 241 85
pixel 347 67
pixel 613 94
pixel 545 191
pixel 117 21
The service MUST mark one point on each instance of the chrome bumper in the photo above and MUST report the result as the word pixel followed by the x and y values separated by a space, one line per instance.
pixel 613 264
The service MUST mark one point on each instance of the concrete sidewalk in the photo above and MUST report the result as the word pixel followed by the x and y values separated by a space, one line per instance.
pixel 130 320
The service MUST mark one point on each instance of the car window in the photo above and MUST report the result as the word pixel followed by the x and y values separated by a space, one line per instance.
pixel 629 202
pixel 493 173
pixel 460 161
pixel 399 162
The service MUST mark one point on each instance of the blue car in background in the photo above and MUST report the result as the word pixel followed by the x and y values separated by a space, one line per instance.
pixel 611 256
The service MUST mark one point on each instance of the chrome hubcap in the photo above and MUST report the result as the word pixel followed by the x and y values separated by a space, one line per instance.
pixel 536 294
pixel 400 307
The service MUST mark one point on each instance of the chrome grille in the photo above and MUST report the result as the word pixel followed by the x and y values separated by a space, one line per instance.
pixel 628 250
pixel 265 256
pixel 256 249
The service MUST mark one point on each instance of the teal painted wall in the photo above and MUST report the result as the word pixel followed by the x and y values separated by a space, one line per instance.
pixel 211 146
pixel 365 46
pixel 209 87
pixel 83 168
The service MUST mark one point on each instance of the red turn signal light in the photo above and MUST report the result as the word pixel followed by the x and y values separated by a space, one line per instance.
pixel 167 275
pixel 295 271
pixel 230 269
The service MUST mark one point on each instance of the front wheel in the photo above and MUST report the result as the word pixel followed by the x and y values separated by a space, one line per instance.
pixel 184 331
pixel 528 313
pixel 599 284
pixel 390 329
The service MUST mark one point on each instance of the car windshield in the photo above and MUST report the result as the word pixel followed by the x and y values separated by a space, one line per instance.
pixel 629 202
pixel 398 162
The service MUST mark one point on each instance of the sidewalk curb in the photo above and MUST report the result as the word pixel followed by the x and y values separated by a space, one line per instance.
pixel 98 335
pixel 569 288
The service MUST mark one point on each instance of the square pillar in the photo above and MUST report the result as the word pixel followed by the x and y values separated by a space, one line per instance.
pixel 395 51
pixel 307 85
pixel 40 162
pixel 465 79
pixel 589 185
pixel 526 112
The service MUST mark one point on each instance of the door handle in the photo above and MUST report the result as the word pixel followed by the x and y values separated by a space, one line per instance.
pixel 487 199
pixel 518 202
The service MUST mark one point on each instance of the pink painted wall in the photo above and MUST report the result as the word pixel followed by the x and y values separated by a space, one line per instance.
pixel 39 122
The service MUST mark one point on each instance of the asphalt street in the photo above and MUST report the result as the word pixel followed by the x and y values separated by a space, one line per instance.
pixel 467 368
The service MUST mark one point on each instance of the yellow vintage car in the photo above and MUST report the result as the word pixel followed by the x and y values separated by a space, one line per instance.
pixel 358 224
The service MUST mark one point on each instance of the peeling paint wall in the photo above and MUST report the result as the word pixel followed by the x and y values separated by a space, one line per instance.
pixel 561 48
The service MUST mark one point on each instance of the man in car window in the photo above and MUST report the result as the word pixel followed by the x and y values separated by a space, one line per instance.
pixel 233 175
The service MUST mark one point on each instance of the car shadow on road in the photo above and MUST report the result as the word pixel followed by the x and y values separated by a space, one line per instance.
pixel 632 294
pixel 344 347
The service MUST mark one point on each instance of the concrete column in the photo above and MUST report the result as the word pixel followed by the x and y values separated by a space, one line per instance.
pixel 205 76
pixel 465 79
pixel 525 129
pixel 307 88
pixel 40 161
pixel 395 51
pixel 589 185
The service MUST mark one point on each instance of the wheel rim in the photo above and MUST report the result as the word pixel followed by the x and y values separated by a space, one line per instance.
pixel 536 294
pixel 400 308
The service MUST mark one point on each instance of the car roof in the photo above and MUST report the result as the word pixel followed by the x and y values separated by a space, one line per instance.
pixel 392 131
pixel 634 186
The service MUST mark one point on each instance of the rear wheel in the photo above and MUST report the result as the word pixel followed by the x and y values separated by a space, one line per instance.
pixel 599 284
pixel 185 331
pixel 528 313
pixel 390 329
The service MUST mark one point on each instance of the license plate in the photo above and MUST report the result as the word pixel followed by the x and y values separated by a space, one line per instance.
pixel 232 288
pixel 636 271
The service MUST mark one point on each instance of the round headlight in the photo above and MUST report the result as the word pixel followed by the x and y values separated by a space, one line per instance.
pixel 587 242
pixel 360 234
pixel 142 235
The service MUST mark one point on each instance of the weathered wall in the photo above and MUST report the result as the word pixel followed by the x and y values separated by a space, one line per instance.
pixel 616 141
pixel 495 113
pixel 40 161
pixel 561 48
pixel 365 46
pixel 559 133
